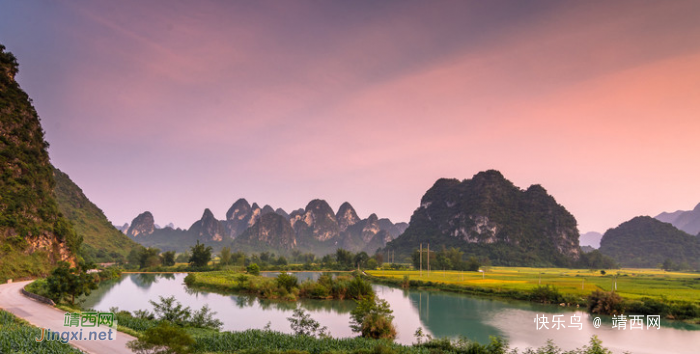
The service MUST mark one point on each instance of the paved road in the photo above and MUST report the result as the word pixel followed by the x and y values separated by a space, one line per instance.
pixel 45 316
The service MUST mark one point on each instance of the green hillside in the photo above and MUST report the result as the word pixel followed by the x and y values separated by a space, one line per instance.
pixel 33 233
pixel 102 242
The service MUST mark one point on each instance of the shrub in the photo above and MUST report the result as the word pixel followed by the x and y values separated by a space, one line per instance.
pixel 163 339
pixel 605 303
pixel 546 294
pixel 373 319
pixel 253 269
pixel 286 281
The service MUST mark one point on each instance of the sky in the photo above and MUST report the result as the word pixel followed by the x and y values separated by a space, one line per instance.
pixel 178 106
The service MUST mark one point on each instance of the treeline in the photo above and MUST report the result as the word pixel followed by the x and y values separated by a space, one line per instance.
pixel 201 258
pixel 453 258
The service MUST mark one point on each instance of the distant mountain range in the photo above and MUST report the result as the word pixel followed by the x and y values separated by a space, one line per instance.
pixel 591 239
pixel 489 217
pixel 688 221
pixel 250 228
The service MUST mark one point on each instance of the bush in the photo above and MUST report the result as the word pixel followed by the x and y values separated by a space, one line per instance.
pixel 546 294
pixel 163 339
pixel 253 269
pixel 605 303
pixel 373 319
pixel 287 281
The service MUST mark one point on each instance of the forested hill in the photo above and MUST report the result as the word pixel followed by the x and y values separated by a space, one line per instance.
pixel 489 217
pixel 33 233
pixel 648 242
pixel 102 242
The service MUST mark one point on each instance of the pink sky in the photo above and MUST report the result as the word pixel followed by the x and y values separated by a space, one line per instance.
pixel 174 107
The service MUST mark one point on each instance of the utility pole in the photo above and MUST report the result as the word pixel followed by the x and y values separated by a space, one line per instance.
pixel 428 259
pixel 421 260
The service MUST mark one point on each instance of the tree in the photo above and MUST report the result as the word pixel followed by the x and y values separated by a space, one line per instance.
pixel 253 269
pixel 183 257
pixel 168 258
pixel 225 256
pixel 344 258
pixel 473 264
pixel 66 280
pixel 171 310
pixel 204 318
pixel 373 319
pixel 134 257
pixel 163 339
pixel 303 325
pixel 148 257
pixel 361 259
pixel 372 263
pixel 201 255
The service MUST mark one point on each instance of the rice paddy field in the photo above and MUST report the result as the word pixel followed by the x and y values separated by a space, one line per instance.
pixel 629 283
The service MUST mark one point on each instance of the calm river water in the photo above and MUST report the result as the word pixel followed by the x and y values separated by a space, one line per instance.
pixel 438 313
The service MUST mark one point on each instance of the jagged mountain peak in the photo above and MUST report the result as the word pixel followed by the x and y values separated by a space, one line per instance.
pixel 283 213
pixel 142 225
pixel 239 210
pixel 267 209
pixel 346 216
pixel 207 214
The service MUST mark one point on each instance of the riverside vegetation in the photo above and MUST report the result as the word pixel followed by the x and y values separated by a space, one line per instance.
pixel 673 295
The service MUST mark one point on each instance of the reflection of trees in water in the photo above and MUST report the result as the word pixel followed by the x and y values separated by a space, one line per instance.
pixel 97 294
pixel 168 276
pixel 334 306
pixel 243 301
pixel 144 280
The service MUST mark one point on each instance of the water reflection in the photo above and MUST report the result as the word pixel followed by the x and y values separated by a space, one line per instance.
pixel 440 314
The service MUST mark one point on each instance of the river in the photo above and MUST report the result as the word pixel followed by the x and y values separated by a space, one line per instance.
pixel 440 314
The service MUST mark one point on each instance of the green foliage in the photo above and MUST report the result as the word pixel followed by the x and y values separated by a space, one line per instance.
pixel 344 258
pixel 546 294
pixel 204 318
pixel 168 258
pixel 201 255
pixel 68 281
pixel 171 310
pixel 302 324
pixel 225 256
pixel 605 303
pixel 373 319
pixel 287 281
pixel 148 257
pixel 18 336
pixel 163 339
pixel 253 269
pixel 359 288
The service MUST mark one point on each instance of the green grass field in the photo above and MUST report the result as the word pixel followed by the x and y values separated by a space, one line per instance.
pixel 631 283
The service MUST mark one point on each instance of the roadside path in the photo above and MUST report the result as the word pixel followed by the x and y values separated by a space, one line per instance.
pixel 45 316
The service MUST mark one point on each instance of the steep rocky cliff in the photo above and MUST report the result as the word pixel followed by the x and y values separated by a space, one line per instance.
pixel 142 225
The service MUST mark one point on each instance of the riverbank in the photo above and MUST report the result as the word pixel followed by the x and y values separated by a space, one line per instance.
pixel 644 291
